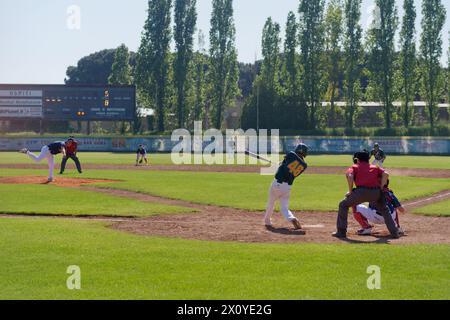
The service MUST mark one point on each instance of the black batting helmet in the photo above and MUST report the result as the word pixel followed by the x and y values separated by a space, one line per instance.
pixel 302 149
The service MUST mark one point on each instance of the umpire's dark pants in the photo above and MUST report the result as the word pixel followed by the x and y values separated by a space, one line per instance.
pixel 361 195
pixel 74 158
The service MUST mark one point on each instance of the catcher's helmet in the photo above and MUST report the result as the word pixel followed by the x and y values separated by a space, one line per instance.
pixel 302 149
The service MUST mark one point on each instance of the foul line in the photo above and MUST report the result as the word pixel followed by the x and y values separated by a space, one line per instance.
pixel 445 195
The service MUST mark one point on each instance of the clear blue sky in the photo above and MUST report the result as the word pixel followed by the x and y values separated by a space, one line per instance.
pixel 37 46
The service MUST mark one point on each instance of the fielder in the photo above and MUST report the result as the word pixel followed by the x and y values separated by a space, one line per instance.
pixel 48 152
pixel 71 147
pixel 141 155
pixel 365 215
pixel 379 155
pixel 292 167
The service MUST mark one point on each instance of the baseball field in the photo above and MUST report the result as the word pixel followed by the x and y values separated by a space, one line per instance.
pixel 196 232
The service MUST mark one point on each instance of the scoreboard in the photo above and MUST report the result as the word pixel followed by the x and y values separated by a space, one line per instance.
pixel 61 102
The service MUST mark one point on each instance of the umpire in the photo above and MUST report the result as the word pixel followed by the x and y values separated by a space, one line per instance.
pixel 369 181
pixel 71 152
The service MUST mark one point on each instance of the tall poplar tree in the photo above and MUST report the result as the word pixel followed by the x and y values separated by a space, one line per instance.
pixel 223 73
pixel 291 64
pixel 408 62
pixel 153 57
pixel 121 75
pixel 312 47
pixel 352 59
pixel 333 46
pixel 185 22
pixel 382 56
pixel 121 70
pixel 200 63
pixel 433 13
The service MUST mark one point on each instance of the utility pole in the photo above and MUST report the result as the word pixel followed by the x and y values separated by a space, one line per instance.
pixel 257 109
pixel 257 94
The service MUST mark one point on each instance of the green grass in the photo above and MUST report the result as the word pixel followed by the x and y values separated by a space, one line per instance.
pixel 35 254
pixel 249 191
pixel 423 162
pixel 52 200
pixel 441 208
pixel 103 158
pixel 246 190
pixel 420 162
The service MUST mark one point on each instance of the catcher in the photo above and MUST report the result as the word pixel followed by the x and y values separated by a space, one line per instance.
pixel 365 215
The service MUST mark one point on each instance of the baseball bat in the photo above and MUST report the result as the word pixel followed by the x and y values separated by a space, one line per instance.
pixel 257 156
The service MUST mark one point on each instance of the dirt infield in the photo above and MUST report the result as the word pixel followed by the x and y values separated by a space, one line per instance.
pixel 60 182
pixel 421 173
pixel 227 224
pixel 214 223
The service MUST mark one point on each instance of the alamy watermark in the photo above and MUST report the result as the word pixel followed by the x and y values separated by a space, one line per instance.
pixel 73 282
pixel 73 21
pixel 374 280
pixel 374 17
pixel 213 147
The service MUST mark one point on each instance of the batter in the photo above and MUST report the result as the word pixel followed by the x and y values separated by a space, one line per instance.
pixel 292 167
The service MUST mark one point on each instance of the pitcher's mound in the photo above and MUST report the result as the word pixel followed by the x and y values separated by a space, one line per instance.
pixel 61 182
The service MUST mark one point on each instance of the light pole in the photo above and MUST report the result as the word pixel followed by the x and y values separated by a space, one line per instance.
pixel 257 109
pixel 257 94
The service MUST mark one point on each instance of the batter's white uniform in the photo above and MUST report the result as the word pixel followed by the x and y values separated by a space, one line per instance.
pixel 373 217
pixel 45 153
pixel 282 192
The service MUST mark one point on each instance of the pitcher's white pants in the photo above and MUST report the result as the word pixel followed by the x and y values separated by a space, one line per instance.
pixel 282 192
pixel 378 163
pixel 45 153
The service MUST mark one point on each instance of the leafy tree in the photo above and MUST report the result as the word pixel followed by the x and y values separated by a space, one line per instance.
pixel 433 13
pixel 291 68
pixel 312 47
pixel 121 74
pixel 247 76
pixel 271 55
pixel 352 60
pixel 408 62
pixel 200 67
pixel 153 57
pixel 121 70
pixel 263 102
pixel 185 21
pixel 333 46
pixel 92 69
pixel 223 73
pixel 448 70
pixel 268 82
pixel 382 56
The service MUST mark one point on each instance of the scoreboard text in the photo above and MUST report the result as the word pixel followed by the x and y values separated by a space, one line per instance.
pixel 60 102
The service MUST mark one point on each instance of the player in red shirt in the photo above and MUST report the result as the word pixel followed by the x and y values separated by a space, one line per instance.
pixel 71 152
pixel 369 181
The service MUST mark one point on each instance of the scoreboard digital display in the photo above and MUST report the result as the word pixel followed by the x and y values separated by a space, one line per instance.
pixel 61 102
